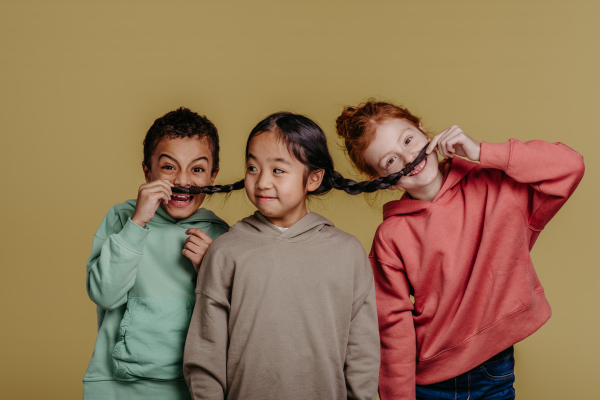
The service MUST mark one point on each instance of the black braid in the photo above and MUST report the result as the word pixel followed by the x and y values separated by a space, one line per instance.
pixel 337 181
pixel 209 189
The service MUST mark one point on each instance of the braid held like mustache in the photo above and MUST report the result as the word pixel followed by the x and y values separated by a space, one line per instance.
pixel 209 189
pixel 336 181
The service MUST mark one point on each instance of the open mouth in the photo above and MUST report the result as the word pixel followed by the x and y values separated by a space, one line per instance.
pixel 418 168
pixel 181 200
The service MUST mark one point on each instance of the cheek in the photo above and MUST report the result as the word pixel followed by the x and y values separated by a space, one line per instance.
pixel 202 179
pixel 153 175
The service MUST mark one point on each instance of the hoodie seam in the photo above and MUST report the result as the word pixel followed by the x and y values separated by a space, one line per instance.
pixel 203 293
pixel 388 265
pixel 290 240
pixel 363 292
pixel 479 331
pixel 120 242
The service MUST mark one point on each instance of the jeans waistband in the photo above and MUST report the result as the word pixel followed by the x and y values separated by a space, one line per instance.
pixel 503 355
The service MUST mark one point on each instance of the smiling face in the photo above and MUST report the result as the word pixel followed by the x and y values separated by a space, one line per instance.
pixel 276 182
pixel 396 143
pixel 183 162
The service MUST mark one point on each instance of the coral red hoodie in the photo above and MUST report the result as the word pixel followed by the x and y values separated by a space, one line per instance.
pixel 465 258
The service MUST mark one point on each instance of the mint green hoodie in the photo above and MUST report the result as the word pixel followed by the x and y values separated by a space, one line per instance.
pixel 144 289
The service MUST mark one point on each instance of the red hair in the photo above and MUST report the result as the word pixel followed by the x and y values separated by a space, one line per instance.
pixel 357 126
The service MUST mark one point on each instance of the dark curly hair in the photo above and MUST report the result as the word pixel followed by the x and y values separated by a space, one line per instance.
pixel 182 123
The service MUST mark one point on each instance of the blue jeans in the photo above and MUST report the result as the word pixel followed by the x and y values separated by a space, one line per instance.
pixel 492 380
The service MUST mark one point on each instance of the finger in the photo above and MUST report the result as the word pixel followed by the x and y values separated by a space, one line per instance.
pixel 194 258
pixel 433 143
pixel 449 142
pixel 193 247
pixel 441 147
pixel 155 190
pixel 163 184
pixel 199 233
pixel 166 185
pixel 160 195
pixel 194 252
pixel 438 139
pixel 196 241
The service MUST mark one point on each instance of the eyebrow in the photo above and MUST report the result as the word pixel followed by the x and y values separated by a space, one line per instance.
pixel 193 161
pixel 277 159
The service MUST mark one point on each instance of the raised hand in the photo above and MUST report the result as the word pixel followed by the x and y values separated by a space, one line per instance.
pixel 196 245
pixel 149 197
pixel 454 141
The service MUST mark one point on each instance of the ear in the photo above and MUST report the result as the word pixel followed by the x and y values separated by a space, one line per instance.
pixel 146 172
pixel 421 128
pixel 213 176
pixel 314 180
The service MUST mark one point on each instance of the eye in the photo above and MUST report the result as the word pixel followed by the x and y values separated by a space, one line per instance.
pixel 198 169
pixel 252 168
pixel 168 167
pixel 407 141
pixel 278 171
pixel 390 161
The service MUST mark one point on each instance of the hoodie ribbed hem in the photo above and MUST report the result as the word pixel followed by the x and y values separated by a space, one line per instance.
pixel 485 344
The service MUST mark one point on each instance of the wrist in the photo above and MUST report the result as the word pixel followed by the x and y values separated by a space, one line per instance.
pixel 138 221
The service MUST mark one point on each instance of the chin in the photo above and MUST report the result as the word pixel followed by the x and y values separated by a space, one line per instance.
pixel 180 213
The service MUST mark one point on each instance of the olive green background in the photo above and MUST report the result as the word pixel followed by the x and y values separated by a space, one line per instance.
pixel 81 83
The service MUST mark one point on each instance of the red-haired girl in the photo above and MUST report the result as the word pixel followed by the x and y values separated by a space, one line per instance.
pixel 458 241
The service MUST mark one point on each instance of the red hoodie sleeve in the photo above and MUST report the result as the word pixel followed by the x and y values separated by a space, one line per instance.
pixel 396 327
pixel 543 175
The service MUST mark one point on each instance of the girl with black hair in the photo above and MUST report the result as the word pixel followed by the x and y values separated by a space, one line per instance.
pixel 285 304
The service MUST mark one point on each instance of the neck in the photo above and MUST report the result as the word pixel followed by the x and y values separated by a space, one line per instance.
pixel 428 193
pixel 288 219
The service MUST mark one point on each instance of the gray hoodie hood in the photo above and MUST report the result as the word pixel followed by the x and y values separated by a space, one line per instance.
pixel 303 229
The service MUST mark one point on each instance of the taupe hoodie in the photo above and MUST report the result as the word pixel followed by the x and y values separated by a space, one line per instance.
pixel 284 315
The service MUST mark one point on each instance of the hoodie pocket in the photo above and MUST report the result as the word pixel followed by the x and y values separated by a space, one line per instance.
pixel 151 339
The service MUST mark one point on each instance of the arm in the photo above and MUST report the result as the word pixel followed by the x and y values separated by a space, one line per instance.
pixel 362 352
pixel 112 266
pixel 543 175
pixel 396 328
pixel 117 248
pixel 205 355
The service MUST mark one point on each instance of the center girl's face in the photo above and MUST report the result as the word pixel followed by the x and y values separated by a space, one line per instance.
pixel 276 182
pixel 397 142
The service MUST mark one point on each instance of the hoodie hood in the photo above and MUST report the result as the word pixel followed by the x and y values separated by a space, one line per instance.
pixel 307 226
pixel 455 170
pixel 161 216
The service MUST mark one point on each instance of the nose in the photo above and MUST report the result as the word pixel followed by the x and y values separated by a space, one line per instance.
pixel 183 179
pixel 408 158
pixel 264 181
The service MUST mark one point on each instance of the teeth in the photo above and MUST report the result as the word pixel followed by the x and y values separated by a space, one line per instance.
pixel 181 199
pixel 419 168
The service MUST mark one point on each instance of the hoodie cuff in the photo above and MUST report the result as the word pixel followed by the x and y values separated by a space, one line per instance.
pixel 133 236
pixel 495 155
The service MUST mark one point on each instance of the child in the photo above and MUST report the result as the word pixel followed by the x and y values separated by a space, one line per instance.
pixel 285 303
pixel 142 270
pixel 458 241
